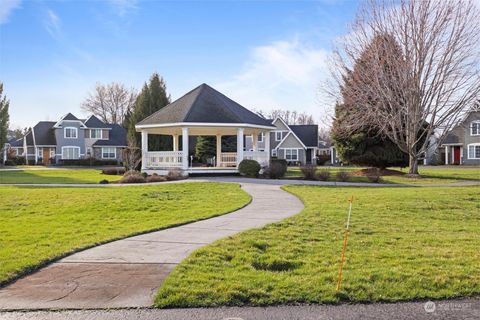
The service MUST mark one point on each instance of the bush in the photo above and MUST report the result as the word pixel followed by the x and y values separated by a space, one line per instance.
pixel 322 159
pixel 144 174
pixel 9 163
pixel 249 168
pixel 104 181
pixel 132 176
pixel 323 175
pixel 276 169
pixel 174 174
pixel 114 171
pixel 87 162
pixel 343 176
pixel 308 171
pixel 156 178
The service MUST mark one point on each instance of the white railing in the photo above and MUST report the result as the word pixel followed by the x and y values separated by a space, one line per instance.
pixel 228 159
pixel 163 159
pixel 259 156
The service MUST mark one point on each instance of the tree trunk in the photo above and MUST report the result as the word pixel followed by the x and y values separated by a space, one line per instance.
pixel 412 165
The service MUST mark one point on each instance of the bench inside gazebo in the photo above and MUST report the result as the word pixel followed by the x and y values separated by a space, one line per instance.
pixel 203 112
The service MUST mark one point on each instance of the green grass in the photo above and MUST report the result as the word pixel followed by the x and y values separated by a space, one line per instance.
pixel 405 243
pixel 41 224
pixel 55 176
pixel 430 175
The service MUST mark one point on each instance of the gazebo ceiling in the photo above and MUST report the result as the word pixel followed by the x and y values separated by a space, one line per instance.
pixel 204 105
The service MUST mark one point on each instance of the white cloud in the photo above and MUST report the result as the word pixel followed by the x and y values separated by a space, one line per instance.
pixel 6 8
pixel 283 74
pixel 122 7
pixel 52 23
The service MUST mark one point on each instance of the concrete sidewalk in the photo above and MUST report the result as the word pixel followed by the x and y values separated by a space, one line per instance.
pixel 127 273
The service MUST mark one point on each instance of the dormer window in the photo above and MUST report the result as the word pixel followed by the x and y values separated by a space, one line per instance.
pixel 475 128
pixel 96 133
pixel 70 133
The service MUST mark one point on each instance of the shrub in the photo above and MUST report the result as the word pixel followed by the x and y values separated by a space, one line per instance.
pixel 114 171
pixel 308 171
pixel 104 181
pixel 323 175
pixel 343 176
pixel 174 174
pixel 9 163
pixel 276 170
pixel 132 176
pixel 322 159
pixel 87 162
pixel 156 178
pixel 144 174
pixel 249 168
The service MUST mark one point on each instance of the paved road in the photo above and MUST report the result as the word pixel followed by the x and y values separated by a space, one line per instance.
pixel 127 273
pixel 465 309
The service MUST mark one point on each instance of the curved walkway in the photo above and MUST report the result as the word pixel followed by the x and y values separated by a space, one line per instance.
pixel 127 273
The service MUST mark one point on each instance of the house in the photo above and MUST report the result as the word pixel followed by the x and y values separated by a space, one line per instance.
pixel 206 112
pixel 71 138
pixel 297 144
pixel 462 143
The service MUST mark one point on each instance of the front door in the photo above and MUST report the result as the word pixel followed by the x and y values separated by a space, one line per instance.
pixel 309 156
pixel 46 156
pixel 456 155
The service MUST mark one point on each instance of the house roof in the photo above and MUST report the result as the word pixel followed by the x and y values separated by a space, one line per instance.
pixel 94 122
pixel 118 137
pixel 204 105
pixel 308 134
pixel 44 134
pixel 69 116
pixel 16 142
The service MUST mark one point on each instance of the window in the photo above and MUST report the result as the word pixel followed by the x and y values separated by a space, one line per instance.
pixel 475 128
pixel 274 152
pixel 70 153
pixel 96 133
pixel 474 151
pixel 89 152
pixel 108 153
pixel 52 153
pixel 70 133
pixel 40 152
pixel 278 135
pixel 291 154
pixel 261 136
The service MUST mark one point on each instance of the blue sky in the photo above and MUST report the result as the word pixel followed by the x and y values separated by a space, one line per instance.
pixel 263 54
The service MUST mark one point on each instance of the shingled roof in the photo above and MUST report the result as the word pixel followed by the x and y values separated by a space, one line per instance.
pixel 118 137
pixel 94 122
pixel 307 133
pixel 44 134
pixel 207 105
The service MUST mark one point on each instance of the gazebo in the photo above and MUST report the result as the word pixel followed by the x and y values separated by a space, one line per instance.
pixel 203 112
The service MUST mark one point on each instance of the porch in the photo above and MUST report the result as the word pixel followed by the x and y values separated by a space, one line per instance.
pixel 222 162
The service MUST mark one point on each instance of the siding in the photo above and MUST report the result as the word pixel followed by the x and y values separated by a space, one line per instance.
pixel 63 142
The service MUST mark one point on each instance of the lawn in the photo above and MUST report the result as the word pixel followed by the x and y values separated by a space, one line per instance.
pixel 38 224
pixel 55 176
pixel 430 174
pixel 405 244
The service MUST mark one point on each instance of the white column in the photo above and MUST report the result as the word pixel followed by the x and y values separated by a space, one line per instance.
pixel 461 155
pixel 239 145
pixel 185 148
pixel 267 145
pixel 144 149
pixel 36 154
pixel 446 154
pixel 219 151
pixel 175 142
pixel 255 142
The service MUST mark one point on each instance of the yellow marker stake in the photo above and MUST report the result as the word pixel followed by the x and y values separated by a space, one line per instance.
pixel 345 237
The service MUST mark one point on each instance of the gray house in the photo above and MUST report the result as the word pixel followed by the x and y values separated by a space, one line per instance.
pixel 71 138
pixel 462 143
pixel 297 144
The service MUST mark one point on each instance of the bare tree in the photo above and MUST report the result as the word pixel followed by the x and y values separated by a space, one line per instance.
pixel 290 117
pixel 132 155
pixel 110 102
pixel 435 77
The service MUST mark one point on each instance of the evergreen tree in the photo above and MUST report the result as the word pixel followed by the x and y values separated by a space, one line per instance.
pixel 152 98
pixel 4 117
pixel 365 146
pixel 205 147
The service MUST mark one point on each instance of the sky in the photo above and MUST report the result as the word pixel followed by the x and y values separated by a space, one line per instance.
pixel 263 54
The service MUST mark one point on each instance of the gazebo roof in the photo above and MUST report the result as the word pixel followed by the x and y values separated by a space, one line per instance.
pixel 204 105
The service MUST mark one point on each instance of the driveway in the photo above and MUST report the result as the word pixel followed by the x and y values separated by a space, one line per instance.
pixel 128 272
